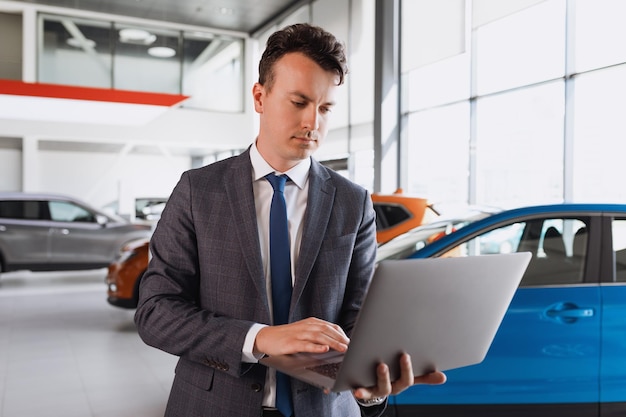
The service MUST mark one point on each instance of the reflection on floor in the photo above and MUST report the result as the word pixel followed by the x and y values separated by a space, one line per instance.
pixel 64 351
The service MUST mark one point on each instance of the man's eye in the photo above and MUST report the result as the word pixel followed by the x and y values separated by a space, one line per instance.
pixel 325 110
pixel 298 104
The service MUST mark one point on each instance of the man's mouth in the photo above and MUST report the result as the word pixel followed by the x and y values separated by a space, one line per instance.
pixel 309 136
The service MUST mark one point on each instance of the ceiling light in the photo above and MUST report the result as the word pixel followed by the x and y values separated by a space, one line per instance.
pixel 81 43
pixel 138 36
pixel 161 52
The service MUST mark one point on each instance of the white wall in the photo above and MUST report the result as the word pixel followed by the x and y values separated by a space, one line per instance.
pixel 10 169
pixel 100 178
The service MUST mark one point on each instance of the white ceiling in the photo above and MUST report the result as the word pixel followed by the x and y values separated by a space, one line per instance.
pixel 247 16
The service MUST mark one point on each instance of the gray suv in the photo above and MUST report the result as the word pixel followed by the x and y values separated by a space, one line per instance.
pixel 47 232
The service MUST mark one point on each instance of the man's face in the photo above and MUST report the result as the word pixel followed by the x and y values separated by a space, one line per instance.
pixel 294 113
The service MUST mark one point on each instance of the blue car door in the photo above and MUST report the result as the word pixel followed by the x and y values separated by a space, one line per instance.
pixel 613 364
pixel 546 353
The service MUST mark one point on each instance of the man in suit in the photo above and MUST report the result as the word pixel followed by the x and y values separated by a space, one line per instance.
pixel 207 296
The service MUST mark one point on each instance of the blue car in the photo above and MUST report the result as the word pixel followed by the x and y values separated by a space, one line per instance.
pixel 561 348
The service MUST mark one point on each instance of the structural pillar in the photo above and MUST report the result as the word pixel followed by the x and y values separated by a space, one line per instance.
pixel 387 130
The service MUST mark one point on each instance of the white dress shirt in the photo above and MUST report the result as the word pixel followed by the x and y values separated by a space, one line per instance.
pixel 296 195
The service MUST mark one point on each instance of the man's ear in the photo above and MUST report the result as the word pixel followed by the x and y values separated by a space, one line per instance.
pixel 258 94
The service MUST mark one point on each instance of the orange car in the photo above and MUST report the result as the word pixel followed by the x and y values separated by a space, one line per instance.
pixel 395 214
pixel 125 273
pixel 398 213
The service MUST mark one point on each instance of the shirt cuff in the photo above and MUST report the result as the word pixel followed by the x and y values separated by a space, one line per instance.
pixel 247 353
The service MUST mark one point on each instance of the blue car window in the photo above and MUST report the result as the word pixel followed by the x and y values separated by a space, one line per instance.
pixel 619 249
pixel 502 240
pixel 560 253
pixel 558 246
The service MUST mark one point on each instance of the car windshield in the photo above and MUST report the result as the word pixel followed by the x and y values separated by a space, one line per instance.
pixel 406 244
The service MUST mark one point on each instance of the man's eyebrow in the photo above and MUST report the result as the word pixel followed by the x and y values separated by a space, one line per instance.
pixel 307 98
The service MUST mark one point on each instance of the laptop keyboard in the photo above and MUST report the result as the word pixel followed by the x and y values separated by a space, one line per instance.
pixel 328 369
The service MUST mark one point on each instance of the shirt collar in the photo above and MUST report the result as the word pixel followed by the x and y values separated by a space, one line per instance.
pixel 260 168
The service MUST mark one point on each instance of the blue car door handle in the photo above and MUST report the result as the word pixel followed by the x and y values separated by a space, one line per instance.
pixel 568 312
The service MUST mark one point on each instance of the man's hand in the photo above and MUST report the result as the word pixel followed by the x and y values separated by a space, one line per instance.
pixel 308 335
pixel 386 387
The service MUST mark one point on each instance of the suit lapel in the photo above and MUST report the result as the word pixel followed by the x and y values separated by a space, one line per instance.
pixel 319 208
pixel 238 185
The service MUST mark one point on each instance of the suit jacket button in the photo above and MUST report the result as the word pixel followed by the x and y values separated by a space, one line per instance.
pixel 256 387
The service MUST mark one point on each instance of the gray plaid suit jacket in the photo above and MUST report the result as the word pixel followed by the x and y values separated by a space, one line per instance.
pixel 205 285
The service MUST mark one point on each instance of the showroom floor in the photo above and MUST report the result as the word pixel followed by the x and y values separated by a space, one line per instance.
pixel 64 351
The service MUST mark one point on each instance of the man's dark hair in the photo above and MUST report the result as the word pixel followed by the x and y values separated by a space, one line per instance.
pixel 314 42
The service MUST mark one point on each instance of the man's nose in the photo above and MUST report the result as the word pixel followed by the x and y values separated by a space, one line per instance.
pixel 311 119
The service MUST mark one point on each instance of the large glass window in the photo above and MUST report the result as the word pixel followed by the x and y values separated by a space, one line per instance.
pixel 205 66
pixel 435 61
pixel 599 132
pixel 75 52
pixel 146 59
pixel 442 82
pixel 213 72
pixel 522 48
pixel 544 83
pixel 599 33
pixel 438 152
pixel 519 146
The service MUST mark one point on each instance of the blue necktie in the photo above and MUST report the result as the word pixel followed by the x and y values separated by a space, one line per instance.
pixel 280 267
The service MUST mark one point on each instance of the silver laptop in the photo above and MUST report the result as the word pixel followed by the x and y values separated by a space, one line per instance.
pixel 444 312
